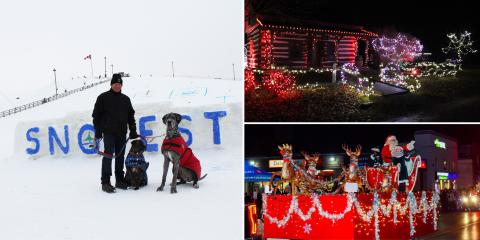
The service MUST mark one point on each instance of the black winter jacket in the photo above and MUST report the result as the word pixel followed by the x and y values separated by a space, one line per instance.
pixel 112 113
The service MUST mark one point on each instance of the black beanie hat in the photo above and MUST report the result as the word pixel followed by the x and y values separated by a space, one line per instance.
pixel 116 78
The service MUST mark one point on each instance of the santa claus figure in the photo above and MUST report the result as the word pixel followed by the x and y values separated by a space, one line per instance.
pixel 394 154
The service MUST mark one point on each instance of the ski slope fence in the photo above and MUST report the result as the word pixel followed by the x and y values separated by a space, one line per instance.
pixel 49 99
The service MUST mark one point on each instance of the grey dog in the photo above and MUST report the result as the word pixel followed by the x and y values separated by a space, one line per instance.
pixel 172 154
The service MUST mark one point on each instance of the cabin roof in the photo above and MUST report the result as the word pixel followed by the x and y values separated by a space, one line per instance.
pixel 291 23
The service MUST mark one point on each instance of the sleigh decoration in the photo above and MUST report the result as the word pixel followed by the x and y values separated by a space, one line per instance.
pixel 382 179
pixel 385 179
pixel 412 167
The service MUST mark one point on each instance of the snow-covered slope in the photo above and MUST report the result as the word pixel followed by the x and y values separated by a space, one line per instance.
pixel 56 194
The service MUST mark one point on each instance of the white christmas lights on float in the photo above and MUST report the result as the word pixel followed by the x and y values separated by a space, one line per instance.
pixel 393 206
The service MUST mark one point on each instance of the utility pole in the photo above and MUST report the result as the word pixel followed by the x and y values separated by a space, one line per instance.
pixel 112 69
pixel 55 75
pixel 105 66
pixel 173 71
pixel 233 65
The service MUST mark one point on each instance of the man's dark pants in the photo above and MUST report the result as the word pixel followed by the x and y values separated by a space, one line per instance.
pixel 113 143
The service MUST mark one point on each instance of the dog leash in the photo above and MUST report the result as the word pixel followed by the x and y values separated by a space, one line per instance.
pixel 111 156
pixel 151 138
pixel 107 155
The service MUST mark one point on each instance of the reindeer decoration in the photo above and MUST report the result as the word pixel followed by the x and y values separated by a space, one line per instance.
pixel 288 172
pixel 352 174
pixel 311 162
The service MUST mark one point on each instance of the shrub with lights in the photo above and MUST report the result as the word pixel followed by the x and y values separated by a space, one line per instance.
pixel 394 52
pixel 250 83
pixel 279 83
pixel 397 49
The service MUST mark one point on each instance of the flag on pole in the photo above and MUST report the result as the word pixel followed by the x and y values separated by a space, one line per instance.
pixel 88 57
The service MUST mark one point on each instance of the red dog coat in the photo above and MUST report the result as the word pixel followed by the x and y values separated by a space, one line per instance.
pixel 187 159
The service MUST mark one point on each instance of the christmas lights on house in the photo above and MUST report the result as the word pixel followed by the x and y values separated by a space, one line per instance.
pixel 266 49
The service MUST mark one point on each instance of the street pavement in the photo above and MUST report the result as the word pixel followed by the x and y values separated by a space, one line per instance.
pixel 458 225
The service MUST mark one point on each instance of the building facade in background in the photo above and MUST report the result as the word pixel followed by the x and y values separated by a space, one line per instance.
pixel 440 154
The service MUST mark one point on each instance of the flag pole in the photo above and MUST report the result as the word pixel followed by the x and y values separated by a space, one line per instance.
pixel 91 66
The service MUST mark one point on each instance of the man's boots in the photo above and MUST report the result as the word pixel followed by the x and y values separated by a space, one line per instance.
pixel 107 187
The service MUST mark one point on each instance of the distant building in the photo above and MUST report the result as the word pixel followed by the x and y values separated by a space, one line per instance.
pixel 465 167
pixel 440 153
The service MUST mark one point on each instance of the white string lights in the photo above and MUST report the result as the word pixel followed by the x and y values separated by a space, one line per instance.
pixel 397 49
pixel 386 209
pixel 460 45
pixel 362 85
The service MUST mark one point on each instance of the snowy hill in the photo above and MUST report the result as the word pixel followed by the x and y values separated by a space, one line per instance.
pixel 52 188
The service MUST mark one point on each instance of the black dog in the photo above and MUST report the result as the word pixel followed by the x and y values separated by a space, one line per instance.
pixel 186 167
pixel 136 175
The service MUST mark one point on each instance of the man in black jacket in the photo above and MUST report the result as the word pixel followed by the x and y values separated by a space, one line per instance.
pixel 112 114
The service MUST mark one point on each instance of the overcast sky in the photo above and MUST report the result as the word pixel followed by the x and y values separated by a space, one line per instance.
pixel 203 38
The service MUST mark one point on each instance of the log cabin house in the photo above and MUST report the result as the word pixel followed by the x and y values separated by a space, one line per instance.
pixel 273 42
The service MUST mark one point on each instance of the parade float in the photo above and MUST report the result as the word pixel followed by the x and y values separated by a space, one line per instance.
pixel 375 202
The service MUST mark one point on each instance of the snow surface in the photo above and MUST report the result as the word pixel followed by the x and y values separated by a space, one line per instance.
pixel 59 196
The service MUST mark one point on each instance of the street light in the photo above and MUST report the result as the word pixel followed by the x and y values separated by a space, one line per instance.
pixel 55 74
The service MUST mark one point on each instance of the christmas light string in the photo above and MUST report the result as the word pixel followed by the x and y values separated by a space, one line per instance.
pixel 460 45
pixel 266 49
pixel 280 83
pixel 249 80
pixel 397 49
pixel 362 85
pixel 399 52
pixel 352 201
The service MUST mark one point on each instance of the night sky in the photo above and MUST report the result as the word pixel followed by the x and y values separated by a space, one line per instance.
pixel 428 21
pixel 262 140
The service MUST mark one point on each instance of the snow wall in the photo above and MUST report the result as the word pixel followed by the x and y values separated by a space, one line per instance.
pixel 209 127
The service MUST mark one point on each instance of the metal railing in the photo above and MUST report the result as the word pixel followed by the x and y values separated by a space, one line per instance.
pixel 47 100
